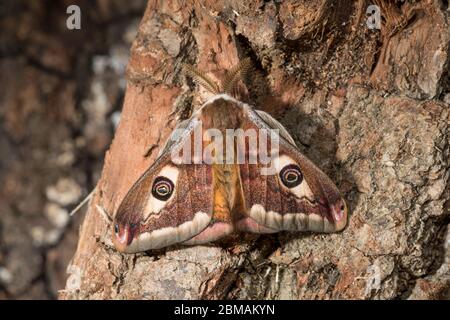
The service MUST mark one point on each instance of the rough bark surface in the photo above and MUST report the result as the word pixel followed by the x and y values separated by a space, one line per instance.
pixel 60 92
pixel 371 108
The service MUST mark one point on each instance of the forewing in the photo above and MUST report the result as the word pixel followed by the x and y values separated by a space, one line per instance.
pixel 149 219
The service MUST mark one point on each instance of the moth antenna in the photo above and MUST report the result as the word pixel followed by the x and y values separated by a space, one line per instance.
pixel 104 214
pixel 83 202
pixel 201 78
pixel 239 72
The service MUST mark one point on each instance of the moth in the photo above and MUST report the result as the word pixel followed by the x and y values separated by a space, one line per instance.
pixel 203 199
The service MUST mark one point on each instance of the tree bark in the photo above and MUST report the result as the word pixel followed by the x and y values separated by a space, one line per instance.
pixel 369 107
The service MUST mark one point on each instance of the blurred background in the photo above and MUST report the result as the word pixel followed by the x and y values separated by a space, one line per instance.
pixel 61 92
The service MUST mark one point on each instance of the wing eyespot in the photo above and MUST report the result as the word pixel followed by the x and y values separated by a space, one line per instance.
pixel 162 188
pixel 291 176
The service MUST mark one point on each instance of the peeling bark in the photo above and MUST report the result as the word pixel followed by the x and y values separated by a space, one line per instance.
pixel 371 110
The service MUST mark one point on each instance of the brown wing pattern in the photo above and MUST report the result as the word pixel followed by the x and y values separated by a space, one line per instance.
pixel 314 204
pixel 169 204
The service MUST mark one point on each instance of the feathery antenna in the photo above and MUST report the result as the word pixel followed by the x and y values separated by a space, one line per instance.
pixel 239 72
pixel 201 78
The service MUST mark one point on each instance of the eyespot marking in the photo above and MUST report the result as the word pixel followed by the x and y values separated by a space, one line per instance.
pixel 291 176
pixel 162 188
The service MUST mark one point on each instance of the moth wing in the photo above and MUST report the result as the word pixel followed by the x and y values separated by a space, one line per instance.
pixel 176 135
pixel 313 205
pixel 273 124
pixel 145 220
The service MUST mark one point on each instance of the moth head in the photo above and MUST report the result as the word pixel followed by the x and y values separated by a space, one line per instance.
pixel 314 187
pixel 142 205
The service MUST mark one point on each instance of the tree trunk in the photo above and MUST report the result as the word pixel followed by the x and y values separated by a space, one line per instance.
pixel 369 107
